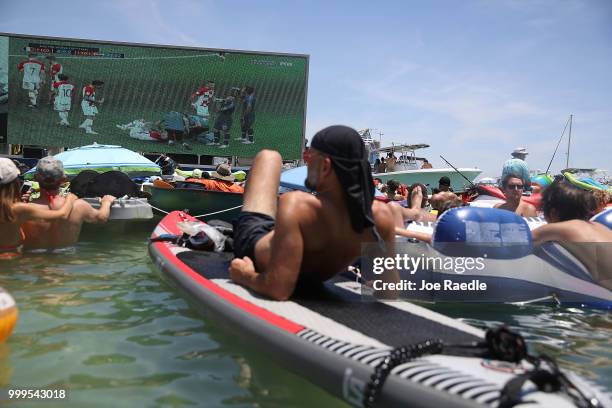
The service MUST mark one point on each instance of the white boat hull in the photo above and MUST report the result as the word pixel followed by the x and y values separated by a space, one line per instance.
pixel 431 177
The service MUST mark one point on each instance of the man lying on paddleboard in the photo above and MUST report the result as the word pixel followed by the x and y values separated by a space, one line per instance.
pixel 300 235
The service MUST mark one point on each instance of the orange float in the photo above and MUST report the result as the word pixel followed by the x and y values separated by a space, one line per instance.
pixel 8 314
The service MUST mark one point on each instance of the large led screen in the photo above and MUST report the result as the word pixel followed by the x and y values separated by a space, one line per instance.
pixel 64 92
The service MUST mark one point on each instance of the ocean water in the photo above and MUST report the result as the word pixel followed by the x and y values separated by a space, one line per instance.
pixel 101 322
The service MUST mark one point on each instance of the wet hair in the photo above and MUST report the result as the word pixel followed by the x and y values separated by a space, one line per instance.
pixel 602 199
pixel 9 194
pixel 568 201
pixel 393 185
pixel 50 184
pixel 444 181
pixel 249 90
pixel 423 189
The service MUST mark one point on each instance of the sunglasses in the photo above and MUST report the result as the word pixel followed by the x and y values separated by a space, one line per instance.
pixel 514 186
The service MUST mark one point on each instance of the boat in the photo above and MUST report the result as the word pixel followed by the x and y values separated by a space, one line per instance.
pixel 366 352
pixel 408 168
pixel 197 202
pixel 524 274
pixel 294 179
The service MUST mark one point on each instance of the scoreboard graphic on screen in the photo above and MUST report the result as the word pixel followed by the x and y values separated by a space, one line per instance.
pixel 148 98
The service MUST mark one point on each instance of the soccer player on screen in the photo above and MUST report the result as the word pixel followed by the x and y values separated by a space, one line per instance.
pixel 55 70
pixel 247 120
pixel 33 77
pixel 223 123
pixel 63 92
pixel 89 105
pixel 143 130
pixel 201 98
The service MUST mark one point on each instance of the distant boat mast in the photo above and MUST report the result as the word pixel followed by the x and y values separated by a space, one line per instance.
pixel 569 142
pixel 569 122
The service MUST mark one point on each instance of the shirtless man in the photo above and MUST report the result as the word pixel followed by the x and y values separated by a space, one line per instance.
pixel 567 210
pixel 64 232
pixel 513 189
pixel 313 237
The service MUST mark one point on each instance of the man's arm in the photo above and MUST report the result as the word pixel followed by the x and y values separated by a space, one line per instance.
pixel 27 211
pixel 421 236
pixel 287 247
pixel 386 229
pixel 93 216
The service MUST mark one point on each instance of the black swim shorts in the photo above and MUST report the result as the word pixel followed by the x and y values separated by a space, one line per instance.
pixel 249 228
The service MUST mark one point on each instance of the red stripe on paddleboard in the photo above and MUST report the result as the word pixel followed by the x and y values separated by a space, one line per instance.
pixel 235 300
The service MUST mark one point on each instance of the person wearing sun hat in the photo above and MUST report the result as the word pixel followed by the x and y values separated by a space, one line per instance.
pixel 221 179
pixel 13 212
pixel 517 167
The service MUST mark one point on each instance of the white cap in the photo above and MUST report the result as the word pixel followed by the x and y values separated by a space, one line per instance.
pixel 8 171
pixel 520 151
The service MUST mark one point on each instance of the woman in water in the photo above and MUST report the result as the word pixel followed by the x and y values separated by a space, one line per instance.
pixel 13 212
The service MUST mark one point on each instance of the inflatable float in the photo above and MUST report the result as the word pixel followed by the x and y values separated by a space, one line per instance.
pixel 513 271
pixel 126 208
pixel 8 314
pixel 490 195
pixel 368 353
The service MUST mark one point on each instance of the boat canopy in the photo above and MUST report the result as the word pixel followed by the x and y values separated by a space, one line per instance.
pixel 402 147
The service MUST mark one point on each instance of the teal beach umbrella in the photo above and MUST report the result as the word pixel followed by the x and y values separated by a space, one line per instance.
pixel 102 158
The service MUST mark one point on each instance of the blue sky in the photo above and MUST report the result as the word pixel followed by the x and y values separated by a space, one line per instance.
pixel 473 78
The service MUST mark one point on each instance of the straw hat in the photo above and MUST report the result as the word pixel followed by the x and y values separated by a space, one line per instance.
pixel 223 172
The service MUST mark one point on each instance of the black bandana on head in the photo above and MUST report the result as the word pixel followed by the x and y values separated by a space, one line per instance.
pixel 350 162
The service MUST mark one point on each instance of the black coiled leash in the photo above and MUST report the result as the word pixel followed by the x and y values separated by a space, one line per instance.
pixel 399 355
pixel 500 343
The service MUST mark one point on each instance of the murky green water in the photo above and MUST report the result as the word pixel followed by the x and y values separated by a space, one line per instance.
pixel 102 323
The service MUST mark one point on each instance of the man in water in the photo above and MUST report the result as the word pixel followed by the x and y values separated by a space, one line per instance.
pixel 444 184
pixel 518 166
pixel 60 233
pixel 567 210
pixel 303 236
pixel 513 189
